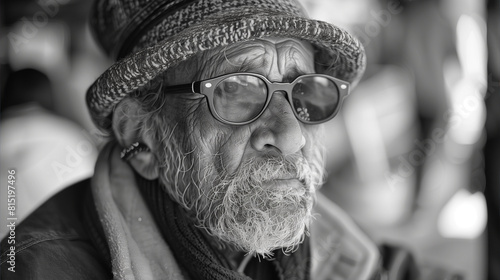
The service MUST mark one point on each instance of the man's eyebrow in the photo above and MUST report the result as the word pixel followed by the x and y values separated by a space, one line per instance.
pixel 228 67
pixel 292 74
pixel 250 64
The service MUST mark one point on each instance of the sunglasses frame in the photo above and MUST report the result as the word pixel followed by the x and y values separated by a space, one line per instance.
pixel 207 87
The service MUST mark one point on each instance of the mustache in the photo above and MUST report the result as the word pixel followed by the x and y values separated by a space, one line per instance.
pixel 260 170
pixel 258 176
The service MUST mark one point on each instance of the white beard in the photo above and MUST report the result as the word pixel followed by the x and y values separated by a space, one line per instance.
pixel 265 205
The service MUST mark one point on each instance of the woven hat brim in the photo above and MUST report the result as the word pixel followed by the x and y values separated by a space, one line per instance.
pixel 342 55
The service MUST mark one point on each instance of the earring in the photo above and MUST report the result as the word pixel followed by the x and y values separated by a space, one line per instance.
pixel 132 150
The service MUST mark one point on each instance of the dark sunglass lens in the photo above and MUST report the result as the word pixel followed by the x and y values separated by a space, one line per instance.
pixel 315 98
pixel 240 98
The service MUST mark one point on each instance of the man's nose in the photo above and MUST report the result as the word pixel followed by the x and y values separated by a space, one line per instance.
pixel 277 128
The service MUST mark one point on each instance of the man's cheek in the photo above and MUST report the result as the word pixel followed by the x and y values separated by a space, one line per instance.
pixel 230 148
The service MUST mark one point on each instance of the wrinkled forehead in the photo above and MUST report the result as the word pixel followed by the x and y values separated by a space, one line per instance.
pixel 279 59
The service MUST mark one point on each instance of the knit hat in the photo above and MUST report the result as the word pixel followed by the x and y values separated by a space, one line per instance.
pixel 147 37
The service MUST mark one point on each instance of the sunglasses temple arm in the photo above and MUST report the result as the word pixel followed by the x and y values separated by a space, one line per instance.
pixel 178 89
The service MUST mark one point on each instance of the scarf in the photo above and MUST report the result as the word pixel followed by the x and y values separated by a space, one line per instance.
pixel 165 244
pixel 136 248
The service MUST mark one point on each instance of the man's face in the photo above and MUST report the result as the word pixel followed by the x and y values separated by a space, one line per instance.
pixel 251 186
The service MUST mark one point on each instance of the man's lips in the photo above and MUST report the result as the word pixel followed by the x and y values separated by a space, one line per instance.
pixel 293 183
pixel 287 178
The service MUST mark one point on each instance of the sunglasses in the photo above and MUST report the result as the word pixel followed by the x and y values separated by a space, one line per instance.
pixel 241 98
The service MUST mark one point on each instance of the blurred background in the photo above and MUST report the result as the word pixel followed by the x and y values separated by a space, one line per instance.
pixel 414 156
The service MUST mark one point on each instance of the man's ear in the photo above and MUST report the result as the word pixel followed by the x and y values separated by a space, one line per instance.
pixel 127 129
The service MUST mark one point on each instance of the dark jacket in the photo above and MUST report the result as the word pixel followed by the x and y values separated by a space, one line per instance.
pixel 55 242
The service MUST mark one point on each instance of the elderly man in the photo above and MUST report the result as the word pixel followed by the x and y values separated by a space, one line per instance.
pixel 214 111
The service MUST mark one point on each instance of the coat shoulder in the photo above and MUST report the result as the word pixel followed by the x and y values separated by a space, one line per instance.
pixel 53 242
